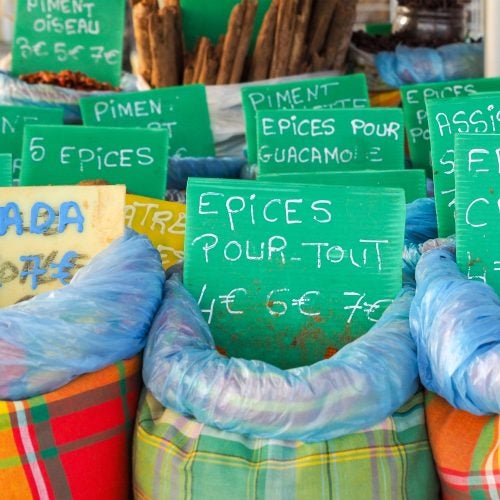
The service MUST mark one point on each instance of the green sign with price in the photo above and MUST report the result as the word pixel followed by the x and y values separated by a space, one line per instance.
pixel 63 155
pixel 477 173
pixel 77 35
pixel 447 117
pixel 289 274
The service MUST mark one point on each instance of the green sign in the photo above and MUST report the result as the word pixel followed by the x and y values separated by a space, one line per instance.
pixel 77 35
pixel 285 273
pixel 330 139
pixel 477 172
pixel 63 155
pixel 182 111
pixel 5 170
pixel 447 117
pixel 202 18
pixel 415 112
pixel 333 92
pixel 412 181
pixel 13 119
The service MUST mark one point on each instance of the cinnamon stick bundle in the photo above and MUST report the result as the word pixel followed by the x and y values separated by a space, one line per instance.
pixel 298 49
pixel 339 36
pixel 236 42
pixel 320 23
pixel 264 45
pixel 162 32
pixel 250 11
pixel 283 40
pixel 141 11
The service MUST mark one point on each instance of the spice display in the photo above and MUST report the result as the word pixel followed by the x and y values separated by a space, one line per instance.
pixel 66 78
pixel 296 36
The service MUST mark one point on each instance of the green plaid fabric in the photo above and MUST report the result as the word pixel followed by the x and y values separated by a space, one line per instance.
pixel 178 458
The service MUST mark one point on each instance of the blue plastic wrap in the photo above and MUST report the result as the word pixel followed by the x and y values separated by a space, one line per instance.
pixel 456 325
pixel 180 169
pixel 421 226
pixel 364 383
pixel 101 317
pixel 407 65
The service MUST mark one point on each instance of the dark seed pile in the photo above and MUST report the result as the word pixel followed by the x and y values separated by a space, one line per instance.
pixel 433 4
pixel 377 43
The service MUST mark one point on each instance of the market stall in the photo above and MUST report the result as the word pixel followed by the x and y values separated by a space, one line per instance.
pixel 248 249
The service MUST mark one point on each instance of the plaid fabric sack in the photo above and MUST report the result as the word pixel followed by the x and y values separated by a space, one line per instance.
pixel 75 442
pixel 466 449
pixel 179 458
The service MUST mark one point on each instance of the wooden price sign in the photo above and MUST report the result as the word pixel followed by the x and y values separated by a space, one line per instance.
pixel 477 172
pixel 334 92
pixel 182 111
pixel 163 222
pixel 5 170
pixel 412 181
pixel 67 155
pixel 13 119
pixel 286 273
pixel 48 233
pixel 475 114
pixel 327 140
pixel 77 35
pixel 415 111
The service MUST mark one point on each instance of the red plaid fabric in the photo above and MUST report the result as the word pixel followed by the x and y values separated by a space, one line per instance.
pixel 74 442
pixel 466 450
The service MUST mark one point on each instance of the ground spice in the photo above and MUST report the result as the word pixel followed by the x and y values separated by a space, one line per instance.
pixel 66 78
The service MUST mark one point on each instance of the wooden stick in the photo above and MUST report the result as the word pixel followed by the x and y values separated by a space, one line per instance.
pixel 299 41
pixel 283 38
pixel 214 62
pixel 320 22
pixel 200 57
pixel 179 35
pixel 244 41
pixel 164 71
pixel 264 46
pixel 188 74
pixel 339 37
pixel 141 10
pixel 231 41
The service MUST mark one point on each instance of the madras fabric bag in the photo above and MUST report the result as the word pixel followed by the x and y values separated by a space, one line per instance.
pixel 176 457
pixel 466 450
pixel 74 442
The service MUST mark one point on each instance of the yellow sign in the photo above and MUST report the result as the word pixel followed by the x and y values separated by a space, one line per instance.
pixel 47 233
pixel 164 222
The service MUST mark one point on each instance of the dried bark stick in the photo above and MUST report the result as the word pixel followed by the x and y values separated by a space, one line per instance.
pixel 231 41
pixel 200 57
pixel 283 37
pixel 264 46
pixel 141 12
pixel 339 36
pixel 299 41
pixel 320 22
pixel 214 62
pixel 244 41
pixel 164 72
